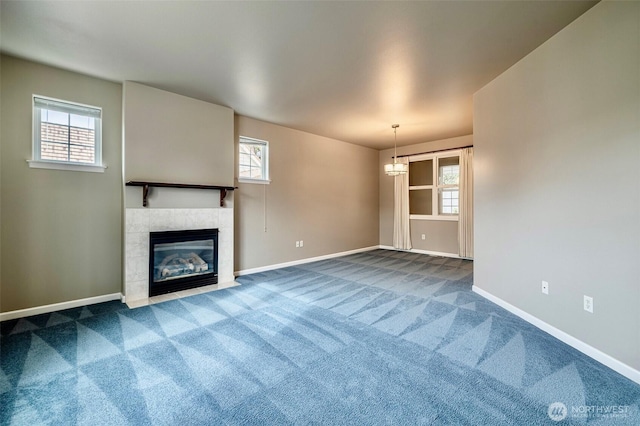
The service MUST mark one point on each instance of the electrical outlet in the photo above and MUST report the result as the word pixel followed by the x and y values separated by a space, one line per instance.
pixel 424 237
pixel 301 243
pixel 588 304
pixel 297 243
pixel 545 287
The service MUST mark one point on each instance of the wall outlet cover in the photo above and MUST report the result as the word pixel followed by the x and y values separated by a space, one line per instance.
pixel 545 287
pixel 588 304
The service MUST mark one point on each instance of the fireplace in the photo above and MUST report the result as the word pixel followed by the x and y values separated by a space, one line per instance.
pixel 179 260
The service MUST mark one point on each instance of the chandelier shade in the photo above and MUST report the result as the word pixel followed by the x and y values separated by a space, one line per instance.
pixel 395 168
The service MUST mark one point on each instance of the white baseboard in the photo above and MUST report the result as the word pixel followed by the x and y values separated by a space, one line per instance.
pixel 609 361
pixel 302 261
pixel 21 313
pixel 431 253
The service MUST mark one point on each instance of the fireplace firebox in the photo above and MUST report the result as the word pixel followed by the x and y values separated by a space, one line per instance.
pixel 179 260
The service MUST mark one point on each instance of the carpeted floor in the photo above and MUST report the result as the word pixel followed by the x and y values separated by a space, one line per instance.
pixel 380 337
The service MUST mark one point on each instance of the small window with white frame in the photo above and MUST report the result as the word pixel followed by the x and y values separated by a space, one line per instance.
pixel 253 160
pixel 66 135
pixel 448 181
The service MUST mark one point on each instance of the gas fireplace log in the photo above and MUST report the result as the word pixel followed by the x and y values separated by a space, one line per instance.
pixel 166 260
pixel 200 265
pixel 175 264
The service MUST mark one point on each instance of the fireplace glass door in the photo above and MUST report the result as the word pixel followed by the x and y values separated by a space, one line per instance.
pixel 182 259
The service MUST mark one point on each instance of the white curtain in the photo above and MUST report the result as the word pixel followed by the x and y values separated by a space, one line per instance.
pixel 401 231
pixel 465 217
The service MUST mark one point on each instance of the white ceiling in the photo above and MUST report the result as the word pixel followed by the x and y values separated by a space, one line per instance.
pixel 345 70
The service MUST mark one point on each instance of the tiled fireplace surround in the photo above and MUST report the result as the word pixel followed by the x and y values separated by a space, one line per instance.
pixel 140 221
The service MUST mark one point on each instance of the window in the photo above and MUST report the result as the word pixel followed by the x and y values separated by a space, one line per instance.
pixel 253 160
pixel 433 186
pixel 66 135
pixel 448 180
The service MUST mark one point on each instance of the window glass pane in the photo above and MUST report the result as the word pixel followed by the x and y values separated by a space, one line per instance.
pixel 251 164
pixel 81 154
pixel 420 201
pixel 54 151
pixel 244 149
pixel 80 136
pixel 256 151
pixel 448 171
pixel 448 201
pixel 421 173
pixel 245 159
pixel 58 117
pixel 81 121
pixel 54 133
pixel 252 159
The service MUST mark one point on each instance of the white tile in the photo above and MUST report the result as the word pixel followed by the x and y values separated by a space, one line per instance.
pixel 180 219
pixel 225 243
pixel 137 303
pixel 226 278
pixel 225 273
pixel 162 220
pixel 225 240
pixel 226 218
pixel 136 290
pixel 137 268
pixel 188 219
pixel 213 219
pixel 137 244
pixel 207 288
pixel 137 220
pixel 188 292
pixel 201 218
pixel 163 298
pixel 225 268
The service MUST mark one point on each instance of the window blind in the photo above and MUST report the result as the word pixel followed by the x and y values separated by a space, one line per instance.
pixel 53 105
pixel 252 141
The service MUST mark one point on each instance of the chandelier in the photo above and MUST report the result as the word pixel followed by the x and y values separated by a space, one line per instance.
pixel 395 168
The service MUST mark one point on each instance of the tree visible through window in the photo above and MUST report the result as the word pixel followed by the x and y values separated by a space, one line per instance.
pixel 253 160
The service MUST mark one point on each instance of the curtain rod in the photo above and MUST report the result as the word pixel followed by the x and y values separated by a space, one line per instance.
pixel 431 152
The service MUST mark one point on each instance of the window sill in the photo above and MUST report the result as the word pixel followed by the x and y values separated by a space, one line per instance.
pixel 51 165
pixel 432 217
pixel 257 181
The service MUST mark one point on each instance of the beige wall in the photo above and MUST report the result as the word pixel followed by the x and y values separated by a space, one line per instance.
pixel 440 236
pixel 60 230
pixel 176 139
pixel 323 191
pixel 557 181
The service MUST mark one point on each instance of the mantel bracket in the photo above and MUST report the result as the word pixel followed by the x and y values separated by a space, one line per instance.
pixel 145 194
pixel 223 194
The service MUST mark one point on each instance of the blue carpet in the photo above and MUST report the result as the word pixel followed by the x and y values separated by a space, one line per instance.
pixel 380 337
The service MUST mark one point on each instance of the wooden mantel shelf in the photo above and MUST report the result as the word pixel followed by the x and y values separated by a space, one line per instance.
pixel 146 185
